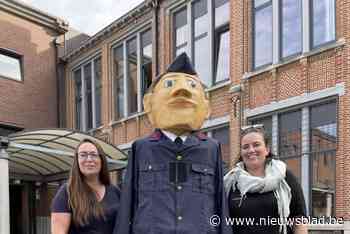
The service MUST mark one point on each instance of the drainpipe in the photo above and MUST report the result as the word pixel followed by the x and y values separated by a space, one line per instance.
pixel 56 44
pixel 155 6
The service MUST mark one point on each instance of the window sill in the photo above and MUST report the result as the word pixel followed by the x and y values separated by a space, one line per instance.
pixel 12 79
pixel 218 86
pixel 139 114
pixel 336 44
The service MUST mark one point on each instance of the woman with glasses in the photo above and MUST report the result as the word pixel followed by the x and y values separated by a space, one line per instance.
pixel 263 195
pixel 88 203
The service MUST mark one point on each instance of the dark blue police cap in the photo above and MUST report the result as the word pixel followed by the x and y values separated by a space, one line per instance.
pixel 181 64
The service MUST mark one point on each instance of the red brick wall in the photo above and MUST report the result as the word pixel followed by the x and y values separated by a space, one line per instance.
pixel 305 75
pixel 31 103
pixel 220 102
pixel 321 72
pixel 260 90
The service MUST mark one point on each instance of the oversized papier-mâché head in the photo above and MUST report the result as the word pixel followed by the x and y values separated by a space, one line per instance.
pixel 176 101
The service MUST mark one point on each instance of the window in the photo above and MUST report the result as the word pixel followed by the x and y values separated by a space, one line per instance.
pixel 132 72
pixel 78 99
pixel 10 65
pixel 262 33
pixel 98 90
pixel 222 135
pixel 146 42
pixel 323 137
pixel 283 29
pixel 118 55
pixel 132 76
pixel 319 147
pixel 289 140
pixel 201 40
pixel 222 40
pixel 88 89
pixel 291 27
pixel 267 123
pixel 88 94
pixel 194 37
pixel 323 21
pixel 181 31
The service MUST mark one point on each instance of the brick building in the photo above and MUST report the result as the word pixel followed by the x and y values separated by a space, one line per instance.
pixel 280 63
pixel 28 94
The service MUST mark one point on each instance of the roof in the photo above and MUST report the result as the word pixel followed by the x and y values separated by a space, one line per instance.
pixel 118 23
pixel 34 14
pixel 47 154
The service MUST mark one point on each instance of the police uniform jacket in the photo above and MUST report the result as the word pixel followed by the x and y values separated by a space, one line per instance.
pixel 171 189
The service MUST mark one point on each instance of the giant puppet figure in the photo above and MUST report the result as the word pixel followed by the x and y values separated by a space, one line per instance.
pixel 174 178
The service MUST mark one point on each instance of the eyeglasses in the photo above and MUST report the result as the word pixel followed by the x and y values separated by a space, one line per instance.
pixel 85 155
pixel 252 128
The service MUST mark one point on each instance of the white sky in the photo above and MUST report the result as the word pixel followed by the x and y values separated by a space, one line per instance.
pixel 88 16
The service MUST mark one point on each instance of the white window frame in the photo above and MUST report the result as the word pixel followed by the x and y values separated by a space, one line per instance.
pixel 190 35
pixel 306 157
pixel 123 43
pixel 83 92
pixel 277 34
pixel 15 56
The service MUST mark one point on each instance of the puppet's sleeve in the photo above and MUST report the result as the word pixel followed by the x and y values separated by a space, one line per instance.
pixel 128 201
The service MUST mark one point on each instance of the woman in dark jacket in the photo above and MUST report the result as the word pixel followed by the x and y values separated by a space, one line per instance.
pixel 262 193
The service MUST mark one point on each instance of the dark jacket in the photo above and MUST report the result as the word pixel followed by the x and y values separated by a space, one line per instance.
pixel 173 190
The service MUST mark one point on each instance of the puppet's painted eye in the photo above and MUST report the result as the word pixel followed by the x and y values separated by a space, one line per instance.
pixel 169 83
pixel 192 83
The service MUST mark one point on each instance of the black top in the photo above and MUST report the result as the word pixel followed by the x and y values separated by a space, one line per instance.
pixel 110 203
pixel 264 205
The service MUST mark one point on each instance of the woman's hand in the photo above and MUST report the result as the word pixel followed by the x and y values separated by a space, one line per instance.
pixel 300 229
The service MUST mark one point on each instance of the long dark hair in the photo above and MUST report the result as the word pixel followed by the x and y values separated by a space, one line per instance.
pixel 81 197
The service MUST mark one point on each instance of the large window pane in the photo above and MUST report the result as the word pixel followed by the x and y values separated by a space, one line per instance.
pixel 222 55
pixel 290 140
pixel 323 21
pixel 98 90
pixel 258 3
pixel 10 67
pixel 132 76
pixel 323 133
pixel 88 93
pixel 263 35
pixel 181 31
pixel 291 27
pixel 201 41
pixel 223 136
pixel 119 82
pixel 78 99
pixel 180 50
pixel 221 40
pixel 222 12
pixel 267 123
pixel 201 60
pixel 146 42
pixel 200 17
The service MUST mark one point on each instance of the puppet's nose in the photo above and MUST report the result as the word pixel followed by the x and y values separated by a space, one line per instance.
pixel 182 90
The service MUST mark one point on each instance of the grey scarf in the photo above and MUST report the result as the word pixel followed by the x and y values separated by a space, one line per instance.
pixel 274 180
